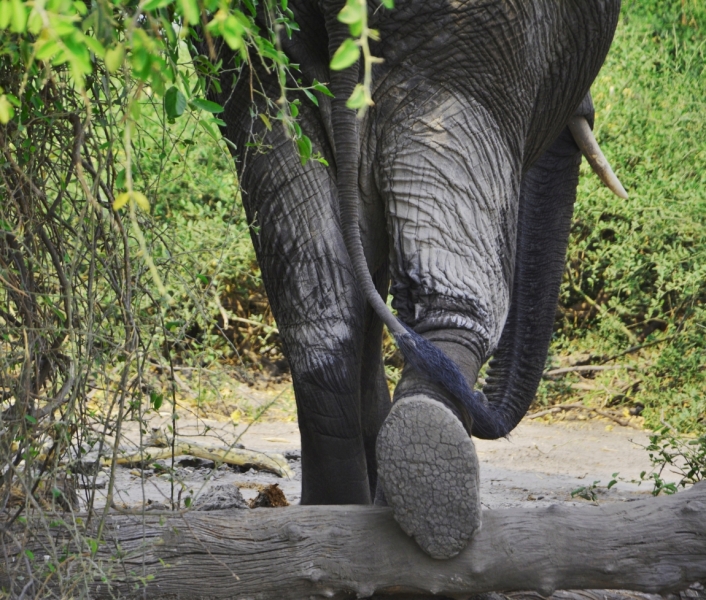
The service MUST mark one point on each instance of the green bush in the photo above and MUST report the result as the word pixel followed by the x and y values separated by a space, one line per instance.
pixel 636 273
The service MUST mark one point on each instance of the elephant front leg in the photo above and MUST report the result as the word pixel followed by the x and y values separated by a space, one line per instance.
pixel 451 187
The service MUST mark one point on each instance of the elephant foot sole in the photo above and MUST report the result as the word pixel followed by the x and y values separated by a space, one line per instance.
pixel 428 468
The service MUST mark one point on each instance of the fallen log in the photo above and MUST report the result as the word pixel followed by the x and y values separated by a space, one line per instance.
pixel 694 592
pixel 655 545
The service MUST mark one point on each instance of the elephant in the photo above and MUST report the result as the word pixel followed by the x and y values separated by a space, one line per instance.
pixel 455 194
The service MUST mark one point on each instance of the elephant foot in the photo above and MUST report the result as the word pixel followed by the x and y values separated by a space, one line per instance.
pixel 428 469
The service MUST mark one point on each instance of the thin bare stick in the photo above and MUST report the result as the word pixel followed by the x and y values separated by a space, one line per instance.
pixel 573 406
pixel 584 369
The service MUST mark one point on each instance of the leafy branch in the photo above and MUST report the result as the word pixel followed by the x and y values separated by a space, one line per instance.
pixel 355 15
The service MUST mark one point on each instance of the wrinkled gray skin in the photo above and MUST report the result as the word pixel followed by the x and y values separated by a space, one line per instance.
pixel 466 181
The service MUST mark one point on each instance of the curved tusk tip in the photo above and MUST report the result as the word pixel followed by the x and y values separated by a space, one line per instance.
pixel 582 134
pixel 618 190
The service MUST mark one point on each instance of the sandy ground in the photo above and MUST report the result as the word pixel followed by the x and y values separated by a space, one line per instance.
pixel 538 465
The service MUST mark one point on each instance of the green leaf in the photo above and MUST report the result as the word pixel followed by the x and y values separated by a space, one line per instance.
pixel 92 544
pixel 352 12
pixel 357 99
pixel 233 31
pixel 266 120
pixel 114 58
pixel 190 10
pixel 94 46
pixel 29 554
pixel 346 55
pixel 155 4
pixel 311 97
pixel 156 400
pixel 141 201
pixel 140 60
pixel 18 22
pixel 174 103
pixel 320 159
pixel 79 57
pixel 121 200
pixel 209 129
pixel 34 23
pixel 61 26
pixel 5 13
pixel 120 179
pixel 304 145
pixel 207 105
pixel 320 87
pixel 80 7
pixel 47 50
pixel 168 29
pixel 30 419
pixel 389 4
pixel 6 110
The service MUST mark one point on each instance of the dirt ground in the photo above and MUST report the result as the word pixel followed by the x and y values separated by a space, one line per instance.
pixel 538 465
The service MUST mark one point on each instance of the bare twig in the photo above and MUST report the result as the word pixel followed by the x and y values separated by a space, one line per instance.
pixel 267 328
pixel 575 406
pixel 553 373
pixel 640 347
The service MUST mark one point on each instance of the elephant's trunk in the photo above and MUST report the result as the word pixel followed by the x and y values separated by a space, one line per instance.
pixel 546 207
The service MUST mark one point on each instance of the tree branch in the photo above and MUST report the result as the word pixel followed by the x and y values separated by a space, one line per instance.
pixel 655 545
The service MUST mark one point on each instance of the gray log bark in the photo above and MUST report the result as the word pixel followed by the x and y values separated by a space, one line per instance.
pixel 656 545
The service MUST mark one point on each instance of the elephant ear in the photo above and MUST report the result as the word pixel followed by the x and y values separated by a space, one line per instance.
pixel 419 352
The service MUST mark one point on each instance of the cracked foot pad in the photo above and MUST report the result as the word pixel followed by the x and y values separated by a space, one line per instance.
pixel 428 469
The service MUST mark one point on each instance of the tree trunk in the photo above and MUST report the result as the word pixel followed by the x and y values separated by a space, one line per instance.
pixel 655 545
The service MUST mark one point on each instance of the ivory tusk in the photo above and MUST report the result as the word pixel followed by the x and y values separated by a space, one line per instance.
pixel 584 138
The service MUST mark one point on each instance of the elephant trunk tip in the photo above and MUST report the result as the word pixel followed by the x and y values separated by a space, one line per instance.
pixel 429 360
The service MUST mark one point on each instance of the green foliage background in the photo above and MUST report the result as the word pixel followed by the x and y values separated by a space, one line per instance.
pixel 637 268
